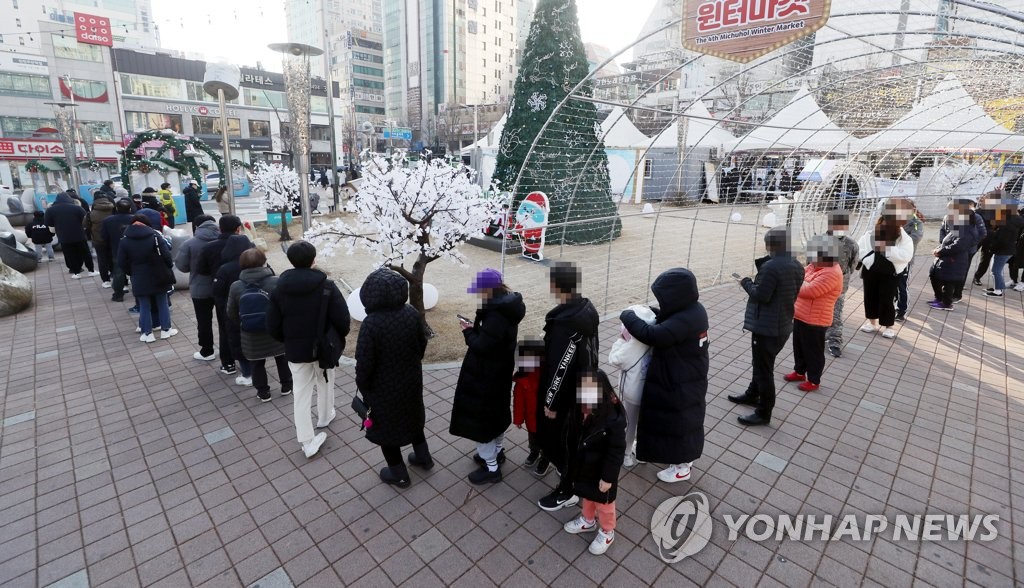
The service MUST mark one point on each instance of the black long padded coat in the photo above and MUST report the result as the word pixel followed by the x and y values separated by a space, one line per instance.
pixel 483 395
pixel 600 449
pixel 389 360
pixel 671 423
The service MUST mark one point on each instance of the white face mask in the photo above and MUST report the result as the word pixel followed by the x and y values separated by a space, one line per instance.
pixel 529 362
pixel 839 233
pixel 588 396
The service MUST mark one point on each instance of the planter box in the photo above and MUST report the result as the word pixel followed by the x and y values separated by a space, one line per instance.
pixel 274 218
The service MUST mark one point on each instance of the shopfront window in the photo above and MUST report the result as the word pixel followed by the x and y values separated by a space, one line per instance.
pixel 139 85
pixel 196 93
pixel 259 128
pixel 68 47
pixel 210 125
pixel 263 98
pixel 17 127
pixel 144 121
pixel 84 90
pixel 24 85
pixel 320 133
pixel 101 130
pixel 318 104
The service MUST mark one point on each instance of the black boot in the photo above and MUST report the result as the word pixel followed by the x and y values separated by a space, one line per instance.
pixel 745 398
pixel 753 420
pixel 396 476
pixel 485 476
pixel 420 456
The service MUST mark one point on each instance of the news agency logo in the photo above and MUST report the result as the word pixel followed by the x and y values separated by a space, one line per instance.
pixel 682 526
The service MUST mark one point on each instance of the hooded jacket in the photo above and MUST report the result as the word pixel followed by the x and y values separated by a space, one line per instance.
pixel 600 441
pixel 229 268
pixel 1002 239
pixel 193 203
pixel 954 256
pixel 65 215
pixel 209 256
pixel 199 286
pixel 821 289
pixel 137 257
pixel 631 357
pixel 93 223
pixel 389 356
pixel 38 231
pixel 570 345
pixel 295 309
pixel 671 424
pixel 254 345
pixel 480 410
pixel 772 296
pixel 113 228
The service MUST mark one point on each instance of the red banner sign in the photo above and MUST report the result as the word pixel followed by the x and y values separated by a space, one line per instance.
pixel 743 30
pixel 92 29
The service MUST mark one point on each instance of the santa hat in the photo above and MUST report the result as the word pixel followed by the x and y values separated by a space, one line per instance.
pixel 538 198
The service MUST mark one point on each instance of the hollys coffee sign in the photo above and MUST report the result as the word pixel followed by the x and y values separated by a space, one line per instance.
pixel 743 30
pixel 92 29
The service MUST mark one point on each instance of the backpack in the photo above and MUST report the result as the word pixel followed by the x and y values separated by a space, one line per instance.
pixel 252 309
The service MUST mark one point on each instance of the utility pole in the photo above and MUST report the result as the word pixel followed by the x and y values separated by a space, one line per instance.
pixel 330 104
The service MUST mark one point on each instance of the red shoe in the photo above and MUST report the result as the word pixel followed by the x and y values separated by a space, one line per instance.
pixel 808 387
pixel 795 377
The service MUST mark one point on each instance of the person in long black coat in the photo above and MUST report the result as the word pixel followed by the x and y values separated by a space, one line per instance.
pixel 227 274
pixel 483 395
pixel 673 404
pixel 139 255
pixel 952 257
pixel 389 372
pixel 193 203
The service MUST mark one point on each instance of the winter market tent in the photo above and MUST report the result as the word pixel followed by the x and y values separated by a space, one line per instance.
pixel 947 120
pixel 618 132
pixel 801 125
pixel 702 131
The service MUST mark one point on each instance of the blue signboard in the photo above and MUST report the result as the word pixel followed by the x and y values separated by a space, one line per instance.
pixel 398 133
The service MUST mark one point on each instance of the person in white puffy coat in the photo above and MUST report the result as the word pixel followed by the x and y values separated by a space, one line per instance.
pixel 631 357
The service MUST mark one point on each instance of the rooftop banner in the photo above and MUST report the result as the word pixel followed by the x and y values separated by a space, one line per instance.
pixel 92 29
pixel 743 30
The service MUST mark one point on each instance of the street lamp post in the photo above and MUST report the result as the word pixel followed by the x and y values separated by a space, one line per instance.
pixel 329 78
pixel 297 89
pixel 64 114
pixel 222 80
pixel 475 158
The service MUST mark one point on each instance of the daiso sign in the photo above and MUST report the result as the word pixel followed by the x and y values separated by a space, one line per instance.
pixel 92 29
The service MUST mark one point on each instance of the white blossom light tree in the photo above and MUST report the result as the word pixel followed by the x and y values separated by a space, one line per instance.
pixel 278 187
pixel 418 211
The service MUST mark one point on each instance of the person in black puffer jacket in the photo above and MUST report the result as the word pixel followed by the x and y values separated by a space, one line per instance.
pixel 1002 241
pixel 41 236
pixel 206 264
pixel 293 318
pixel 193 203
pixel 952 255
pixel 673 403
pixel 570 346
pixel 769 318
pixel 597 432
pixel 139 254
pixel 113 229
pixel 227 274
pixel 102 208
pixel 480 410
pixel 389 372
pixel 65 216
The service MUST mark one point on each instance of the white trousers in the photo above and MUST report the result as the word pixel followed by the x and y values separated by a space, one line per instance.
pixel 306 376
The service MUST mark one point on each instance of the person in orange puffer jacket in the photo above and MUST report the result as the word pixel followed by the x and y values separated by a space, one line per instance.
pixel 823 285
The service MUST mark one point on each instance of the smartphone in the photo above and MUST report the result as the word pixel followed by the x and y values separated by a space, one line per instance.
pixel 462 318
pixel 737 276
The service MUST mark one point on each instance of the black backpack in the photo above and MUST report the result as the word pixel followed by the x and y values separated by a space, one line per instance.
pixel 252 309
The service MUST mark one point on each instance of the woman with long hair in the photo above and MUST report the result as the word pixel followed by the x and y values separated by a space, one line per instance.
pixel 885 252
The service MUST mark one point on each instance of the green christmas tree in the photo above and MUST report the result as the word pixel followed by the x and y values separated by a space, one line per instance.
pixel 568 162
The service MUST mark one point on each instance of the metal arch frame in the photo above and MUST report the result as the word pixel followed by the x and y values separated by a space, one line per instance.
pixel 575 94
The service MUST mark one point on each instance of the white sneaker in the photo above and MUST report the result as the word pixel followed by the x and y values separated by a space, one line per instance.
pixel 579 525
pixel 310 448
pixel 76 276
pixel 675 473
pixel 320 425
pixel 138 329
pixel 1019 287
pixel 889 334
pixel 107 285
pixel 169 333
pixel 243 381
pixel 199 355
pixel 869 328
pixel 150 338
pixel 629 462
pixel 93 274
pixel 44 260
pixel 602 542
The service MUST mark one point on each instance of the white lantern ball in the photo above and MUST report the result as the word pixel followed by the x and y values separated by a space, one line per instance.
pixel 430 296
pixel 355 306
pixel 736 217
pixel 769 220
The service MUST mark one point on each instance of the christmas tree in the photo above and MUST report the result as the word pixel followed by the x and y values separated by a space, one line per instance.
pixel 568 162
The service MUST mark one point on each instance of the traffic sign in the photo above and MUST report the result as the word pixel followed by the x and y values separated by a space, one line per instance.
pixel 398 133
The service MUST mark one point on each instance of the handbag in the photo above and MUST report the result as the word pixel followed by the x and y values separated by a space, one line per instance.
pixel 164 273
pixel 327 350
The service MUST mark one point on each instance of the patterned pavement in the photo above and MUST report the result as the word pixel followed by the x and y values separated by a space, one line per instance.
pixel 125 464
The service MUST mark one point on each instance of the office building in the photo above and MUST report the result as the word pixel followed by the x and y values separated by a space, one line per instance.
pixel 131 21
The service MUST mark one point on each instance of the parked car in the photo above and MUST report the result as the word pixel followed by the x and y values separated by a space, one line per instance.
pixel 212 182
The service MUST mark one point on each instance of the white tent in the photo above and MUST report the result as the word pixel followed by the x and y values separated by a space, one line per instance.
pixel 702 131
pixel 948 119
pixel 801 125
pixel 491 140
pixel 619 132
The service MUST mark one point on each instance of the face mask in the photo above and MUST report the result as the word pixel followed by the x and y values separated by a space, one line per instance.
pixel 587 396
pixel 529 362
pixel 839 233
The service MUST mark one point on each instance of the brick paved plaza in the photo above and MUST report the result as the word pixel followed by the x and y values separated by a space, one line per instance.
pixel 125 464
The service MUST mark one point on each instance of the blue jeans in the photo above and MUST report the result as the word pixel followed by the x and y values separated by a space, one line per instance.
pixel 998 263
pixel 146 312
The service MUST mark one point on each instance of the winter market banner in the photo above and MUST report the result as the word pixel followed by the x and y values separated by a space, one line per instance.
pixel 743 30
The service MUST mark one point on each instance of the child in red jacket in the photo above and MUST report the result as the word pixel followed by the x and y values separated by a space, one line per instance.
pixel 525 395
pixel 813 312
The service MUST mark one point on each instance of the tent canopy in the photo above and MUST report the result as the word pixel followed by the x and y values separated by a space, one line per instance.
pixel 948 119
pixel 702 130
pixel 801 125
pixel 618 131
pixel 491 140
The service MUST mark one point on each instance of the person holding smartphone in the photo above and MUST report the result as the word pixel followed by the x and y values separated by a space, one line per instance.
pixel 481 409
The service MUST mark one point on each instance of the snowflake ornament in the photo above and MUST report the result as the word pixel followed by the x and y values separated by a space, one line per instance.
pixel 537 102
